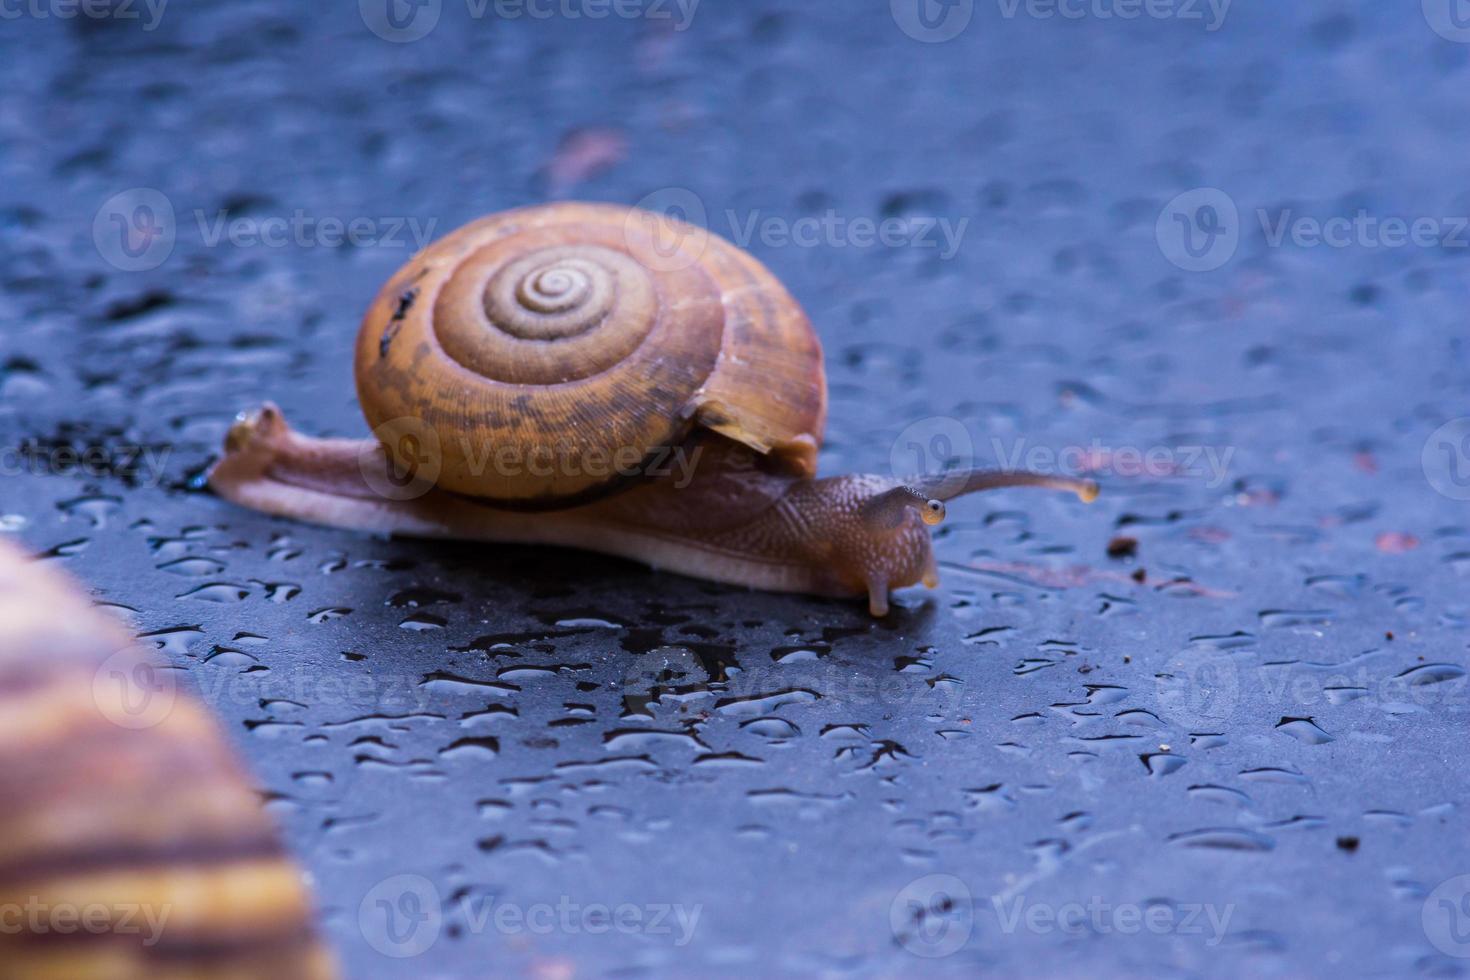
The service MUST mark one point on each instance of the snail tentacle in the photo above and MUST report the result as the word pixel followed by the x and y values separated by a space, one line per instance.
pixel 948 486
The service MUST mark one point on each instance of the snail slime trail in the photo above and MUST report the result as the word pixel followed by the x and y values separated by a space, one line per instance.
pixel 643 338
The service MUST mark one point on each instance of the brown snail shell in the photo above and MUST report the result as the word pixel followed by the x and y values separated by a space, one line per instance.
pixel 117 791
pixel 545 351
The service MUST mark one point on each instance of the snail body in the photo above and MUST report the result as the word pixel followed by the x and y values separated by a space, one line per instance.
pixel 529 378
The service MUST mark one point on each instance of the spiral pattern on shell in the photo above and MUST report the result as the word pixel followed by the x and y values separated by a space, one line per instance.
pixel 556 351
pixel 557 313
pixel 558 285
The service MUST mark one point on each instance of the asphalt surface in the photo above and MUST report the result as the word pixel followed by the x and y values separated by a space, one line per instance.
pixel 1212 725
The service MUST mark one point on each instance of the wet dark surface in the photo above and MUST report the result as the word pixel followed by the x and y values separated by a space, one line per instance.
pixel 1247 725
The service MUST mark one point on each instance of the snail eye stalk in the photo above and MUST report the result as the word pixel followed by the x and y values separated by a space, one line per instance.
pixel 948 486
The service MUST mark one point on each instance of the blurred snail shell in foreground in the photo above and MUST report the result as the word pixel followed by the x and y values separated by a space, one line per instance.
pixel 133 845
pixel 554 359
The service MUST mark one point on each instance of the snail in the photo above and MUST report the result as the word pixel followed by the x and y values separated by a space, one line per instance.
pixel 132 843
pixel 611 379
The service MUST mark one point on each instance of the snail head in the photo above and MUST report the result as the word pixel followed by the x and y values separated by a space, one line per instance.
pixel 887 545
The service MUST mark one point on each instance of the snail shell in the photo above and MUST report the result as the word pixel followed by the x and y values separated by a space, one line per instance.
pixel 119 791
pixel 540 355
